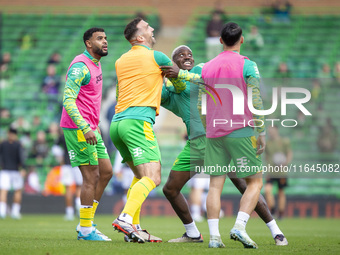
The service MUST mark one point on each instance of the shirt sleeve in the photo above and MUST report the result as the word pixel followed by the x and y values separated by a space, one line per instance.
pixel 191 77
pixel 166 94
pixel 77 76
pixel 252 78
pixel 163 60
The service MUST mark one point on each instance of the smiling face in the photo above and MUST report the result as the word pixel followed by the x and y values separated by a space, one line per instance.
pixel 184 59
pixel 145 34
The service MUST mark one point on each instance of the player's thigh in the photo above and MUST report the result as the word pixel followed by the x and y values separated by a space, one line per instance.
pixel 5 180
pixel 151 170
pixel 140 139
pixel 197 153
pixel 80 152
pixel 182 162
pixel 119 142
pixel 176 180
pixel 217 158
pixel 17 180
pixel 100 147
pixel 243 153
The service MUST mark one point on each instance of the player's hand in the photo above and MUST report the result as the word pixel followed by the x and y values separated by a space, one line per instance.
pixel 261 144
pixel 98 129
pixel 90 138
pixel 170 71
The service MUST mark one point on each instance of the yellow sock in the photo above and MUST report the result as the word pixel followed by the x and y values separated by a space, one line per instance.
pixel 136 217
pixel 95 205
pixel 134 181
pixel 86 217
pixel 138 194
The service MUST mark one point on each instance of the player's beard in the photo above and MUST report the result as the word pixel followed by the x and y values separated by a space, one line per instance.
pixel 101 53
pixel 151 41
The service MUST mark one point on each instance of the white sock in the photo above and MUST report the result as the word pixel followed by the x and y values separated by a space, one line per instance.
pixel 16 209
pixel 77 203
pixel 242 219
pixel 3 209
pixel 86 230
pixel 196 211
pixel 192 230
pixel 213 227
pixel 204 201
pixel 69 211
pixel 138 227
pixel 125 217
pixel 274 228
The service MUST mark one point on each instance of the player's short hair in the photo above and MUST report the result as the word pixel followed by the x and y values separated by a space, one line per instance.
pixel 231 33
pixel 12 130
pixel 88 33
pixel 175 51
pixel 131 28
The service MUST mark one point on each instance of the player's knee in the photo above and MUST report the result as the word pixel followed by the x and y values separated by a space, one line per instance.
pixel 168 192
pixel 157 181
pixel 260 184
pixel 108 175
pixel 255 184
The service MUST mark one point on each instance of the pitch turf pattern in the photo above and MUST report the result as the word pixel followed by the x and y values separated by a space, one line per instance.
pixel 50 234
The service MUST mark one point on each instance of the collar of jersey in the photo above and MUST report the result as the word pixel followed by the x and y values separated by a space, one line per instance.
pixel 140 45
pixel 94 60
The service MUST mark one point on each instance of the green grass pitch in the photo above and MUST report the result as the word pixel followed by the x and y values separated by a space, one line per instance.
pixel 50 235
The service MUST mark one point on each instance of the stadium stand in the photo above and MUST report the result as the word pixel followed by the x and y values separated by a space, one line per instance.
pixel 301 43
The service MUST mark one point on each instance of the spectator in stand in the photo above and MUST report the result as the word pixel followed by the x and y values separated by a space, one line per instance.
pixel 36 124
pixel 51 82
pixel 325 76
pixel 282 75
pixel 27 41
pixel 5 70
pixel 336 73
pixel 54 59
pixel 325 72
pixel 213 30
pixel 317 93
pixel 69 176
pixel 12 173
pixel 328 136
pixel 218 8
pixel 283 71
pixel 53 133
pixel 21 125
pixel 5 121
pixel 255 39
pixel 278 152
pixel 40 148
pixel 281 10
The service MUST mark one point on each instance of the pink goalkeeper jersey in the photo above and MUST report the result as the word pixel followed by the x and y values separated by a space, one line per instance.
pixel 89 97
pixel 226 68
